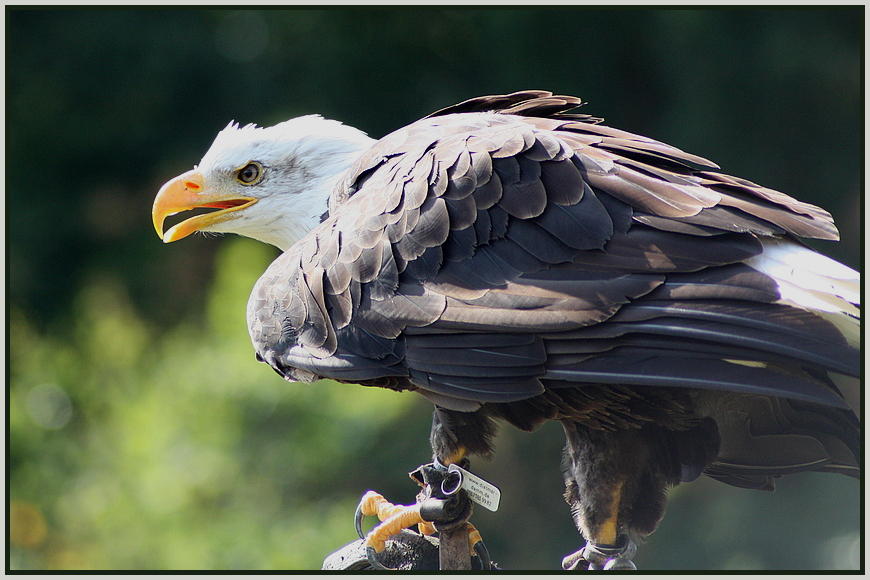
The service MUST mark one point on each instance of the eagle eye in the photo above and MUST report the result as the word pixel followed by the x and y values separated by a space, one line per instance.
pixel 250 174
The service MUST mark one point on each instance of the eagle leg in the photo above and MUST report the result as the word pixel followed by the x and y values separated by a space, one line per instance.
pixel 617 480
pixel 440 507
pixel 429 514
pixel 456 435
pixel 606 548
pixel 602 557
pixel 617 474
pixel 394 518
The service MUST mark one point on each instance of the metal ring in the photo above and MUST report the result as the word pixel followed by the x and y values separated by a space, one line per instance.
pixel 451 483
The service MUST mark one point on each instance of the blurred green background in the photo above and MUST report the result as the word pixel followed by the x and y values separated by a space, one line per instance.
pixel 143 433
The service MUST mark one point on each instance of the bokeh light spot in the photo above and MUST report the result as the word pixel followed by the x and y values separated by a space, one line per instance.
pixel 49 406
pixel 843 552
pixel 28 527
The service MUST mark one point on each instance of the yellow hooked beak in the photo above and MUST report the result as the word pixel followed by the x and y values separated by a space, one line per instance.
pixel 187 192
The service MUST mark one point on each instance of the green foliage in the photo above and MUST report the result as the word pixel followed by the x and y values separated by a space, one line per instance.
pixel 143 433
pixel 181 451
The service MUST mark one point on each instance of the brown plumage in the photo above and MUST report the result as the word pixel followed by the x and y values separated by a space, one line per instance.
pixel 510 260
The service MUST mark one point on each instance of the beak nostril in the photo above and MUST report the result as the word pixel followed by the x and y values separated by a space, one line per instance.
pixel 192 185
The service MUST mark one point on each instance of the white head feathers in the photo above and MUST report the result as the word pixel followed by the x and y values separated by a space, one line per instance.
pixel 307 135
pixel 302 159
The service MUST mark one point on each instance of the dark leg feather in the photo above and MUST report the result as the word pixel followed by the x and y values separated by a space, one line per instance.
pixel 455 435
pixel 616 481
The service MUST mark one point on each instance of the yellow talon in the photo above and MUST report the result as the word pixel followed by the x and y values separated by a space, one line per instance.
pixel 374 504
pixel 473 537
pixel 426 528
pixel 394 519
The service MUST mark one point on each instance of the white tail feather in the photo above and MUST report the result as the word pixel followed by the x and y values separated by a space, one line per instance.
pixel 812 281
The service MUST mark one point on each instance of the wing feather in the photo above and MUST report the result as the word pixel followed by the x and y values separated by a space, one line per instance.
pixel 503 242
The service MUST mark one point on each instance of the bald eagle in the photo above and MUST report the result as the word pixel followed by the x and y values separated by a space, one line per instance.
pixel 512 261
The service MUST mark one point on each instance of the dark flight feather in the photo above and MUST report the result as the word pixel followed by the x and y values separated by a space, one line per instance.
pixel 507 253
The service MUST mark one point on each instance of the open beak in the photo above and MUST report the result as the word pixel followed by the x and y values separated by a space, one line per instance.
pixel 187 192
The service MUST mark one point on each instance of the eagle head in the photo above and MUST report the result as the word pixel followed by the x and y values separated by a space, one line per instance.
pixel 268 183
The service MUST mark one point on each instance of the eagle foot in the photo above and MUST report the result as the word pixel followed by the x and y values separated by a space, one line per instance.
pixel 441 507
pixel 602 557
pixel 394 518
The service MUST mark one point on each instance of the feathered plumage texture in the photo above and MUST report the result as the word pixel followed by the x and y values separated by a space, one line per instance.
pixel 501 248
pixel 302 160
pixel 505 257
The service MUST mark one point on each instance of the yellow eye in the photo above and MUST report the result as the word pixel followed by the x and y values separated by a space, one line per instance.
pixel 250 174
